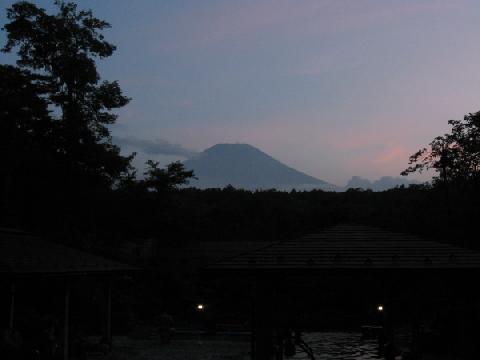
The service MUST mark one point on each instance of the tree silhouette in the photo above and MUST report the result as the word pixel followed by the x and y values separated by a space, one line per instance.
pixel 454 156
pixel 160 180
pixel 63 47
pixel 25 127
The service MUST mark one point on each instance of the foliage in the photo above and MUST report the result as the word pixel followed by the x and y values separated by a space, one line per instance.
pixel 62 48
pixel 25 128
pixel 24 116
pixel 56 70
pixel 454 156
pixel 171 178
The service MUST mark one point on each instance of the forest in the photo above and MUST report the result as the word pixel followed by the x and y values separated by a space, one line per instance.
pixel 63 177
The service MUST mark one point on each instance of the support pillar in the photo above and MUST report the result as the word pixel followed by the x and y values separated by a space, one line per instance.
pixel 415 308
pixel 388 316
pixel 252 327
pixel 66 322
pixel 263 335
pixel 11 317
pixel 108 313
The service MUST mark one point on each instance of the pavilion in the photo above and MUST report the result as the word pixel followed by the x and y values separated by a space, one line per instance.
pixel 350 266
pixel 26 259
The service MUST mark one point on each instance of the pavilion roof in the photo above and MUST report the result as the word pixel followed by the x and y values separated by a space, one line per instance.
pixel 353 247
pixel 24 254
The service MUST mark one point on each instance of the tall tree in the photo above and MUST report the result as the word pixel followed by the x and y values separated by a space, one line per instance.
pixel 63 47
pixel 25 130
pixel 170 178
pixel 454 156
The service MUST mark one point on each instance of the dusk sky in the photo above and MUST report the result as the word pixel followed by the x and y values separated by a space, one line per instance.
pixel 332 88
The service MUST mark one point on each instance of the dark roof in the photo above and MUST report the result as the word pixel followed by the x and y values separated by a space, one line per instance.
pixel 353 247
pixel 207 252
pixel 23 254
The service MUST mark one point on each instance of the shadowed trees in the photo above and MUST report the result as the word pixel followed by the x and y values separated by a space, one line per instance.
pixel 60 166
pixel 58 111
pixel 454 156
pixel 55 122
pixel 170 178
pixel 63 47
pixel 25 130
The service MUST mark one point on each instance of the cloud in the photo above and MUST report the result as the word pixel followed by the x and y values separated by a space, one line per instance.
pixel 226 21
pixel 154 147
pixel 392 154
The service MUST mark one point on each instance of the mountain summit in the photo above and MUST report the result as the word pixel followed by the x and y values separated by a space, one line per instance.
pixel 244 166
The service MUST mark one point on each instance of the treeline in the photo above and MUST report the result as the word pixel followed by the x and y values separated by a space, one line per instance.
pixel 62 176
pixel 236 215
pixel 176 217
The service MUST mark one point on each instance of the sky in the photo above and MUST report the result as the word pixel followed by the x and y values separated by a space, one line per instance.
pixel 333 88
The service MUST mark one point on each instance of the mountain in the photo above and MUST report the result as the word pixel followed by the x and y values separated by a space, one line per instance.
pixel 244 166
pixel 384 183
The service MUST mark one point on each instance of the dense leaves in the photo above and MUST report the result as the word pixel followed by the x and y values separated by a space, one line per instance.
pixel 26 129
pixel 62 174
pixel 62 48
pixel 454 156
pixel 160 180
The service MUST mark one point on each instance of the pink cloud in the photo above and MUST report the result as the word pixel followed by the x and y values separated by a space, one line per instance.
pixel 324 149
pixel 333 146
pixel 392 154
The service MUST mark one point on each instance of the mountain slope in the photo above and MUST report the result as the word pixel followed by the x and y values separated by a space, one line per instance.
pixel 244 166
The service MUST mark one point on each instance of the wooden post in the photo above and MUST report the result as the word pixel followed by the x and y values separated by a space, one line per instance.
pixel 388 316
pixel 108 314
pixel 252 325
pixel 12 306
pixel 263 322
pixel 66 322
pixel 416 319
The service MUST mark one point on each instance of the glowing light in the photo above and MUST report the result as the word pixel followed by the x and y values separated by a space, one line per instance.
pixel 380 307
pixel 200 307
